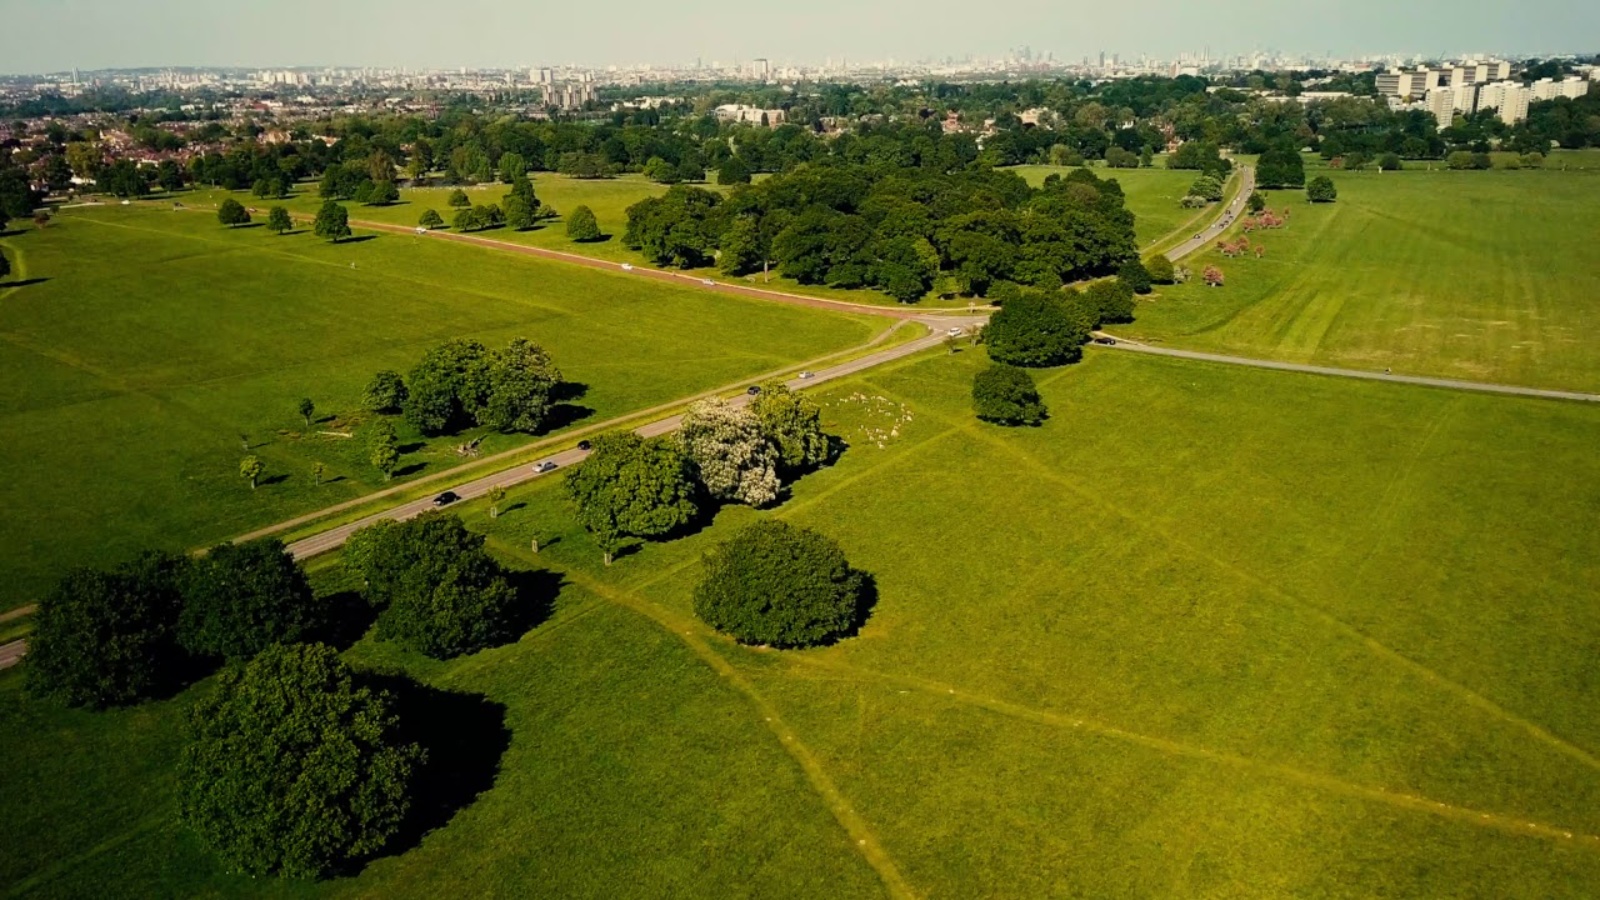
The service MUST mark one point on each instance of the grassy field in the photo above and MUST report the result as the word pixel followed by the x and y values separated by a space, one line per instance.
pixel 156 338
pixel 1153 195
pixel 1228 647
pixel 1477 275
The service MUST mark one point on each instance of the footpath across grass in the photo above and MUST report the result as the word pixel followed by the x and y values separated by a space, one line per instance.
pixel 1486 276
pixel 1232 645
pixel 155 339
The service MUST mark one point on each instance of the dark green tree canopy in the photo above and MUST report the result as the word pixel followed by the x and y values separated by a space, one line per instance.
pixel 1161 269
pixel 239 599
pixel 1110 300
pixel 582 226
pixel 680 228
pixel 385 393
pixel 430 219
pixel 438 590
pixel 780 585
pixel 1321 190
pixel 1035 330
pixel 461 383
pixel 332 222
pixel 109 638
pixel 232 213
pixel 792 423
pixel 632 487
pixel 1281 167
pixel 293 768
pixel 278 220
pixel 1134 274
pixel 1006 395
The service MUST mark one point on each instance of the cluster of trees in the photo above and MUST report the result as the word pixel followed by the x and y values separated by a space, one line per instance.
pixel 461 383
pixel 636 488
pixel 293 765
pixel 1006 395
pixel 125 635
pixel 903 231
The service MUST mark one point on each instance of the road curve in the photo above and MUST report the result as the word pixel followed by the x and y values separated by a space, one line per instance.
pixel 1203 238
pixel 1448 383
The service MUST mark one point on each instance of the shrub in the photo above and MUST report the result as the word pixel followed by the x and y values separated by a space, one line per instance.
pixel 440 592
pixel 239 599
pixel 1390 162
pixel 292 768
pixel 780 585
pixel 1321 190
pixel 1006 395
pixel 1255 202
pixel 582 226
pixel 431 219
pixel 109 638
pixel 1160 268
pixel 458 199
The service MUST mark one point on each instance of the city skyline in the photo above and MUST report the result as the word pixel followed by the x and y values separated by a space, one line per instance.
pixel 61 36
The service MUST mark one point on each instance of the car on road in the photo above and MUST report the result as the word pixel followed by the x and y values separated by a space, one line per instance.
pixel 627 267
pixel 543 467
pixel 806 375
pixel 708 282
pixel 446 498
pixel 585 446
pixel 1108 341
pixel 753 390
pixel 958 331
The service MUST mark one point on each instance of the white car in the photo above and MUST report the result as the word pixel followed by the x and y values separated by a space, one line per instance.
pixel 627 267
pixel 956 332
pixel 708 282
pixel 805 375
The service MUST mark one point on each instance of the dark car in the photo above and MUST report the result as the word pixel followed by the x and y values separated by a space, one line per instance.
pixel 585 446
pixel 446 498
pixel 754 390
pixel 1110 342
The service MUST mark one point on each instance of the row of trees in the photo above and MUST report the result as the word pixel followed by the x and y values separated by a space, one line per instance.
pixel 902 231
pixel 634 488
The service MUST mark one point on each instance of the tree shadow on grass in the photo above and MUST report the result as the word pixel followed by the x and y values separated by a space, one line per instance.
pixel 358 239
pixel 563 414
pixel 465 736
pixel 244 227
pixel 537 590
pixel 412 447
pixel 346 617
pixel 412 469
pixel 270 480
pixel 26 282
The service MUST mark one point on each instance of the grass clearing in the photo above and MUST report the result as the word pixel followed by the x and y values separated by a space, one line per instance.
pixel 157 338
pixel 1229 646
pixel 1485 276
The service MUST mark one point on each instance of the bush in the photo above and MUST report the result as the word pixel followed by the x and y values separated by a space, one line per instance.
pixel 1390 162
pixel 440 592
pixel 582 226
pixel 292 768
pixel 1006 395
pixel 1255 202
pixel 1321 190
pixel 109 638
pixel 431 220
pixel 1160 268
pixel 1034 330
pixel 240 599
pixel 1134 274
pixel 780 585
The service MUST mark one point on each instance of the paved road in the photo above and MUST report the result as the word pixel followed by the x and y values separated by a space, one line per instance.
pixel 1452 384
pixel 335 537
pixel 1203 239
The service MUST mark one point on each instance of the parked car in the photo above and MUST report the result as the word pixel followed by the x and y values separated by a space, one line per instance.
pixel 585 446
pixel 1108 341
pixel 446 498
pixel 543 467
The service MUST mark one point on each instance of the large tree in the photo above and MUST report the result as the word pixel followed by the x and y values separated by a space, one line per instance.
pixel 1281 167
pixel 333 222
pixel 522 380
pixel 239 599
pixel 780 585
pixel 1006 395
pixel 439 591
pixel 232 213
pixel 634 487
pixel 680 228
pixel 293 767
pixel 109 638
pixel 278 220
pixel 385 393
pixel 732 458
pixel 792 423
pixel 1034 329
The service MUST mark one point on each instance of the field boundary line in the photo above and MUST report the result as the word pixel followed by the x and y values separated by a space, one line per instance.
pixel 852 822
pixel 1092 725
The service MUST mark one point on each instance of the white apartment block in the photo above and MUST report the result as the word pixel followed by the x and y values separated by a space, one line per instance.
pixel 1507 98
pixel 1549 89
pixel 1442 104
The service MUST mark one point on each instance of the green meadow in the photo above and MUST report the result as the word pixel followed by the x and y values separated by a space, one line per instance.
pixel 1229 646
pixel 151 340
pixel 1487 276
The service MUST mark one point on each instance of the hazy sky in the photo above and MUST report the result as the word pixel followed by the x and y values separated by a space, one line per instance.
pixel 53 35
